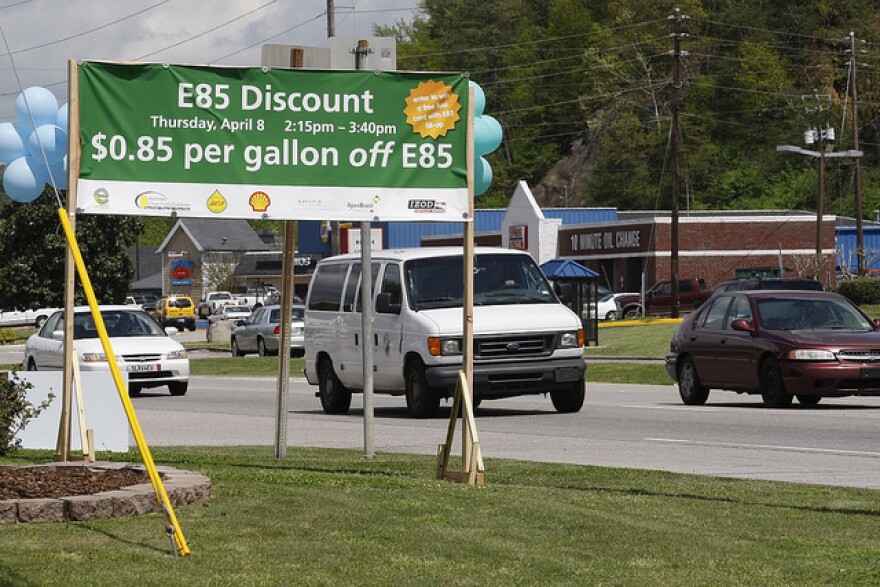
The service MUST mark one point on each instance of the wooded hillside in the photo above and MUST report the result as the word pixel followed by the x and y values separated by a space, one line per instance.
pixel 584 92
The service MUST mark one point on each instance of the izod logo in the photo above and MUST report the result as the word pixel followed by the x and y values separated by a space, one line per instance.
pixel 216 203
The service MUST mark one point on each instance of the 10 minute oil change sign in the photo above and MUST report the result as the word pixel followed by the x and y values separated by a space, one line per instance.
pixel 271 143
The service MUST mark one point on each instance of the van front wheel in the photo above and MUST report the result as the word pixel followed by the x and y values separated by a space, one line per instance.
pixel 569 401
pixel 335 398
pixel 422 400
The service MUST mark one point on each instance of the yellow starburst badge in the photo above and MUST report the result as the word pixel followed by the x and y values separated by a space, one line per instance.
pixel 216 203
pixel 432 109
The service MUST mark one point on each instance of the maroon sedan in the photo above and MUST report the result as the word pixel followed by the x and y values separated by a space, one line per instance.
pixel 781 344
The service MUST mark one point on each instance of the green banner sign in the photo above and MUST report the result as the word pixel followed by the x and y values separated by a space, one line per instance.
pixel 272 143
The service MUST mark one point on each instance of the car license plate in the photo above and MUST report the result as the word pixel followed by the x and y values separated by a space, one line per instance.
pixel 871 373
pixel 142 368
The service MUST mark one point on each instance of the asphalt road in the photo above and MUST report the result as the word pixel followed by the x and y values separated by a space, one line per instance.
pixel 630 426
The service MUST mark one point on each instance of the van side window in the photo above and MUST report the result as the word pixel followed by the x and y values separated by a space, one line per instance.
pixel 351 288
pixel 391 283
pixel 374 271
pixel 327 287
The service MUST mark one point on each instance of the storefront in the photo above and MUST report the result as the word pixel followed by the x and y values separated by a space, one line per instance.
pixel 714 246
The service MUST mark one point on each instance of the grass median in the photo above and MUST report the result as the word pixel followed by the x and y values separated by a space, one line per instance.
pixel 329 517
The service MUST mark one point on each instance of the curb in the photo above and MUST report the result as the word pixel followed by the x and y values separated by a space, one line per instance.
pixel 182 487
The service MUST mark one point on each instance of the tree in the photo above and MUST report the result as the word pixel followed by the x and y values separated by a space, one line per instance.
pixel 33 249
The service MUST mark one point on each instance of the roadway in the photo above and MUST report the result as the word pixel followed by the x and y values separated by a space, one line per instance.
pixel 629 426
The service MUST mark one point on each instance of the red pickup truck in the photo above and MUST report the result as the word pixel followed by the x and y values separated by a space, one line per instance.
pixel 658 299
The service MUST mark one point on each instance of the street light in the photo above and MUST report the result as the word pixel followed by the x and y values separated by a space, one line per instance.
pixel 820 154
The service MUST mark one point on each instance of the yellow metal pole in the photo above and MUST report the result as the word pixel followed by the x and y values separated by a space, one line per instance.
pixel 161 495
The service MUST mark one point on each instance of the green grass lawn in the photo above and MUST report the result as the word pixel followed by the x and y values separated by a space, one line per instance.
pixel 329 517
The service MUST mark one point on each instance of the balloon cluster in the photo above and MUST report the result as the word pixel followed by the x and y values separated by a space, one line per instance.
pixel 487 138
pixel 34 147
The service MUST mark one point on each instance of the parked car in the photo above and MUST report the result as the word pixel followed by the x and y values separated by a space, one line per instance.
pixel 261 332
pixel 176 311
pixel 781 344
pixel 749 283
pixel 214 300
pixel 254 297
pixel 230 313
pixel 608 306
pixel 143 349
pixel 692 292
pixel 17 318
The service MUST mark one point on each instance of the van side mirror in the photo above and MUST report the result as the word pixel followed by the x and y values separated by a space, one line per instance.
pixel 384 304
pixel 564 292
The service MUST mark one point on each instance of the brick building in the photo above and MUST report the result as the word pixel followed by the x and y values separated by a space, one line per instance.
pixel 715 246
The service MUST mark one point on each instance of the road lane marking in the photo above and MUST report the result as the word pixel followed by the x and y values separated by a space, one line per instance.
pixel 805 449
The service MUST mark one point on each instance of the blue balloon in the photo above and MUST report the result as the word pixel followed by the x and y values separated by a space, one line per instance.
pixel 25 130
pixel 61 118
pixel 48 141
pixel 11 145
pixel 487 135
pixel 479 98
pixel 482 175
pixel 59 173
pixel 24 179
pixel 38 104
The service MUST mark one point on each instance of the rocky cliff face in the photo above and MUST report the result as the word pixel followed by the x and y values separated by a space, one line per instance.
pixel 566 182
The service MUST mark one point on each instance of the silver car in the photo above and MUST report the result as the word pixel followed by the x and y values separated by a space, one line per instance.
pixel 261 332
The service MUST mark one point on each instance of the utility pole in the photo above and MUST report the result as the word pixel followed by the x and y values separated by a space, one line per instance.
pixel 331 32
pixel 331 20
pixel 820 204
pixel 857 177
pixel 676 90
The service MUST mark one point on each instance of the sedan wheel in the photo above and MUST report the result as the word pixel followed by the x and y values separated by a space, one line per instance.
pixel 236 352
pixel 611 316
pixel 178 387
pixel 692 392
pixel 808 400
pixel 261 348
pixel 773 386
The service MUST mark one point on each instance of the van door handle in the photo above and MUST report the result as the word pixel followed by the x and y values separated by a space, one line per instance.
pixel 355 339
pixel 376 340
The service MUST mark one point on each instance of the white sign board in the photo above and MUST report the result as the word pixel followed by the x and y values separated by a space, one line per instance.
pixel 103 411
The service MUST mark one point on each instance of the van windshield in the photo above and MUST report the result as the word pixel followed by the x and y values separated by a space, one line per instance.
pixel 498 280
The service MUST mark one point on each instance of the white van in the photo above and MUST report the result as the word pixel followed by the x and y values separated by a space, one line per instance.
pixel 525 340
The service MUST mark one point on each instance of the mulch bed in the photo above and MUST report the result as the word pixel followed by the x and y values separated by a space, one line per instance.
pixel 26 482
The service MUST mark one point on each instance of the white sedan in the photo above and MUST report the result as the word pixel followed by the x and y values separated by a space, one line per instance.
pixel 143 349
pixel 606 307
pixel 14 318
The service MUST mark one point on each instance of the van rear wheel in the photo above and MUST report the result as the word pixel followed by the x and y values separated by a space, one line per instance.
pixel 568 401
pixel 335 398
pixel 422 400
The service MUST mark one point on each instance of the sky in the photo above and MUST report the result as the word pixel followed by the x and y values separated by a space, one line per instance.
pixel 40 36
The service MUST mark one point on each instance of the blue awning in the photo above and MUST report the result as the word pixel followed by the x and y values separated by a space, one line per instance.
pixel 567 269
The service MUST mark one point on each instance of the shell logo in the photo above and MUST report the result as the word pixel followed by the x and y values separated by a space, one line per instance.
pixel 259 201
pixel 216 203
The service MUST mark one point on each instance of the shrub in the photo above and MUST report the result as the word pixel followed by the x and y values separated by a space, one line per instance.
pixel 15 410
pixel 7 335
pixel 861 291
